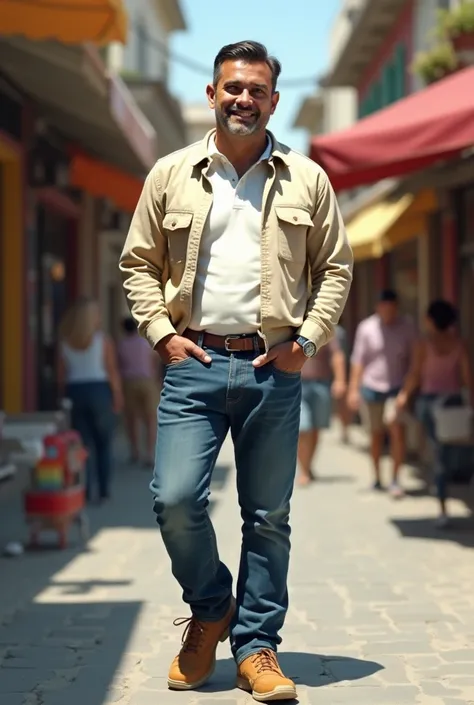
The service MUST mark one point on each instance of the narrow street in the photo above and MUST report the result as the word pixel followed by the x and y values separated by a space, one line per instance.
pixel 382 605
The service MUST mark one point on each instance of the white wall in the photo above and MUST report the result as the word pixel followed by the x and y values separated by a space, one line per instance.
pixel 145 29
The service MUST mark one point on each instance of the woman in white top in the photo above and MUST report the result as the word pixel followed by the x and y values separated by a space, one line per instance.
pixel 88 376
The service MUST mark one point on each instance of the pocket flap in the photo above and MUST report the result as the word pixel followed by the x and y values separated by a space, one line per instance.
pixel 176 220
pixel 295 216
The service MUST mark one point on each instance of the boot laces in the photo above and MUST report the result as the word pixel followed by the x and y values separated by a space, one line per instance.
pixel 266 660
pixel 192 635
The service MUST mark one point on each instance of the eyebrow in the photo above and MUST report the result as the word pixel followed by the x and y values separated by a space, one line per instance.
pixel 241 83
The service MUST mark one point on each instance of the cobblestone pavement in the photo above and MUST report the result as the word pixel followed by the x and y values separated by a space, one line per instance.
pixel 382 606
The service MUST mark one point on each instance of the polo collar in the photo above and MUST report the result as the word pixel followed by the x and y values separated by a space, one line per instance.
pixel 201 153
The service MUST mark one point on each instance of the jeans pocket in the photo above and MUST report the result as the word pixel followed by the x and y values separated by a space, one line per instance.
pixel 180 363
pixel 285 373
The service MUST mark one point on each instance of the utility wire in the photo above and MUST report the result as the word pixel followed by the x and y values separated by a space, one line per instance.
pixel 197 67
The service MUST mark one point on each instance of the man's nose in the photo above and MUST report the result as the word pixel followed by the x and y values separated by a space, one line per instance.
pixel 245 99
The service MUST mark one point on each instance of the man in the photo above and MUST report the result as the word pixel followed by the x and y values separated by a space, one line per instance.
pixel 323 378
pixel 380 361
pixel 225 240
pixel 139 371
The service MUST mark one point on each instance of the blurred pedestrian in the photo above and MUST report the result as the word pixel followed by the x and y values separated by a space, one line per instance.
pixel 88 376
pixel 380 360
pixel 323 378
pixel 138 365
pixel 440 372
pixel 237 267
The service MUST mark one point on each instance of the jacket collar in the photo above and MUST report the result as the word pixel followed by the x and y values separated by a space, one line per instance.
pixel 200 150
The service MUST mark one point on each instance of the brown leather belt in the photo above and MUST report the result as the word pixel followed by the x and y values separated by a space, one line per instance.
pixel 231 343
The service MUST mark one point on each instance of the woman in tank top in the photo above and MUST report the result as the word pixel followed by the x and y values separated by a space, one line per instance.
pixel 88 376
pixel 440 370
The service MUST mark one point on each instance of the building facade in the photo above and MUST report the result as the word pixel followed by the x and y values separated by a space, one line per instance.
pixel 375 60
pixel 75 146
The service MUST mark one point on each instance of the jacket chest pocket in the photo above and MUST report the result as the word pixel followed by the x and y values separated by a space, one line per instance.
pixel 177 226
pixel 293 224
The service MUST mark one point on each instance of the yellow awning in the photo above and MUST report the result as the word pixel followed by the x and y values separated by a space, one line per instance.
pixel 98 21
pixel 386 224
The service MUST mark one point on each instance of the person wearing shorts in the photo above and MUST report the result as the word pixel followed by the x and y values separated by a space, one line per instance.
pixel 380 361
pixel 323 378
pixel 138 366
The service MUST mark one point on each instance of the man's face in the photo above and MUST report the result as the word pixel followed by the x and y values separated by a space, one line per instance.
pixel 243 99
pixel 388 311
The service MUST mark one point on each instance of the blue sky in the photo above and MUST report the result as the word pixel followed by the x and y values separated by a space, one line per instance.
pixel 296 31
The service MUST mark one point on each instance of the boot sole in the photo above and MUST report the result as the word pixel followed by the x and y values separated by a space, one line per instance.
pixel 181 685
pixel 281 692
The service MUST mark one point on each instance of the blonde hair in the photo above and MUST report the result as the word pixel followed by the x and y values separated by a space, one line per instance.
pixel 79 324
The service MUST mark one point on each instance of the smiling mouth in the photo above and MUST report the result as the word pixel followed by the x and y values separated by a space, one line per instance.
pixel 244 116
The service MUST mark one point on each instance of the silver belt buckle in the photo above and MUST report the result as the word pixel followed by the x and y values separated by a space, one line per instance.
pixel 230 337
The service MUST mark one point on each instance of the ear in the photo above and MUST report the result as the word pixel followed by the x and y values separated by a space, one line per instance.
pixel 275 99
pixel 211 95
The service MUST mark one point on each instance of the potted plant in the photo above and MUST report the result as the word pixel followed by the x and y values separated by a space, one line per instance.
pixel 457 25
pixel 436 63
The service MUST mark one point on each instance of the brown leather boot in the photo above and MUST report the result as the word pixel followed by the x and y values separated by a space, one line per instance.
pixel 261 675
pixel 194 664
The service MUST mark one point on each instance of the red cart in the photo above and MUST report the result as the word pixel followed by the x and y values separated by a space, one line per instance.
pixel 56 496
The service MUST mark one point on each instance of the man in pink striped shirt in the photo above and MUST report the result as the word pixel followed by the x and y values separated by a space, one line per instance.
pixel 379 364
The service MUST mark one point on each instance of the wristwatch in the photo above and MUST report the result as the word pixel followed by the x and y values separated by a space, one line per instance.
pixel 309 348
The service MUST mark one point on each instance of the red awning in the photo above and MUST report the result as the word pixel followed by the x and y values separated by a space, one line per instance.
pixel 433 124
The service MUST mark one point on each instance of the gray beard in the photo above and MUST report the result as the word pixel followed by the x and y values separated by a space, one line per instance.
pixel 236 128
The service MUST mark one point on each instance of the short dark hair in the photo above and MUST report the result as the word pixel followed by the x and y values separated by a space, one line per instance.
pixel 129 325
pixel 247 51
pixel 442 313
pixel 388 295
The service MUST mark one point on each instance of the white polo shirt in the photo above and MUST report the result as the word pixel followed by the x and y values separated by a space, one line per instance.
pixel 226 295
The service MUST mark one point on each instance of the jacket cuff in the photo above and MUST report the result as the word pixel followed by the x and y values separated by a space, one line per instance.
pixel 159 329
pixel 313 332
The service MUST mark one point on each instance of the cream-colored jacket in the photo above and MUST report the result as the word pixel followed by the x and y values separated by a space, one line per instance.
pixel 306 261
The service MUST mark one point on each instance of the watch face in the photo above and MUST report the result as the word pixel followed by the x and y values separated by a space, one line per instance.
pixel 309 348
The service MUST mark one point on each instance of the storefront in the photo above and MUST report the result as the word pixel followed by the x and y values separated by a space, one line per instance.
pixel 54 245
pixel 466 250
pixel 12 282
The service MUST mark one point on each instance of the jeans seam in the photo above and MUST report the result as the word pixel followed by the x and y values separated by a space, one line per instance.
pixel 208 518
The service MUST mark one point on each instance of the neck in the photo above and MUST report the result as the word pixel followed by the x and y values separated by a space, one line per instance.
pixel 242 152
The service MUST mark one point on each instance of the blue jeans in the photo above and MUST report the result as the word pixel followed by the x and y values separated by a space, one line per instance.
pixel 261 407
pixel 93 417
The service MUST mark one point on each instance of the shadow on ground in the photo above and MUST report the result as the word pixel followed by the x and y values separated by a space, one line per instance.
pixel 311 670
pixel 334 479
pixel 131 506
pixel 51 652
pixel 461 530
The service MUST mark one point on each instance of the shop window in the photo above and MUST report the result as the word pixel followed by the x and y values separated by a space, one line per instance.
pixel 389 88
pixel 10 116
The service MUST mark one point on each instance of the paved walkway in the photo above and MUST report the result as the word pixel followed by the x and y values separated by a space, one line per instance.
pixel 382 606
